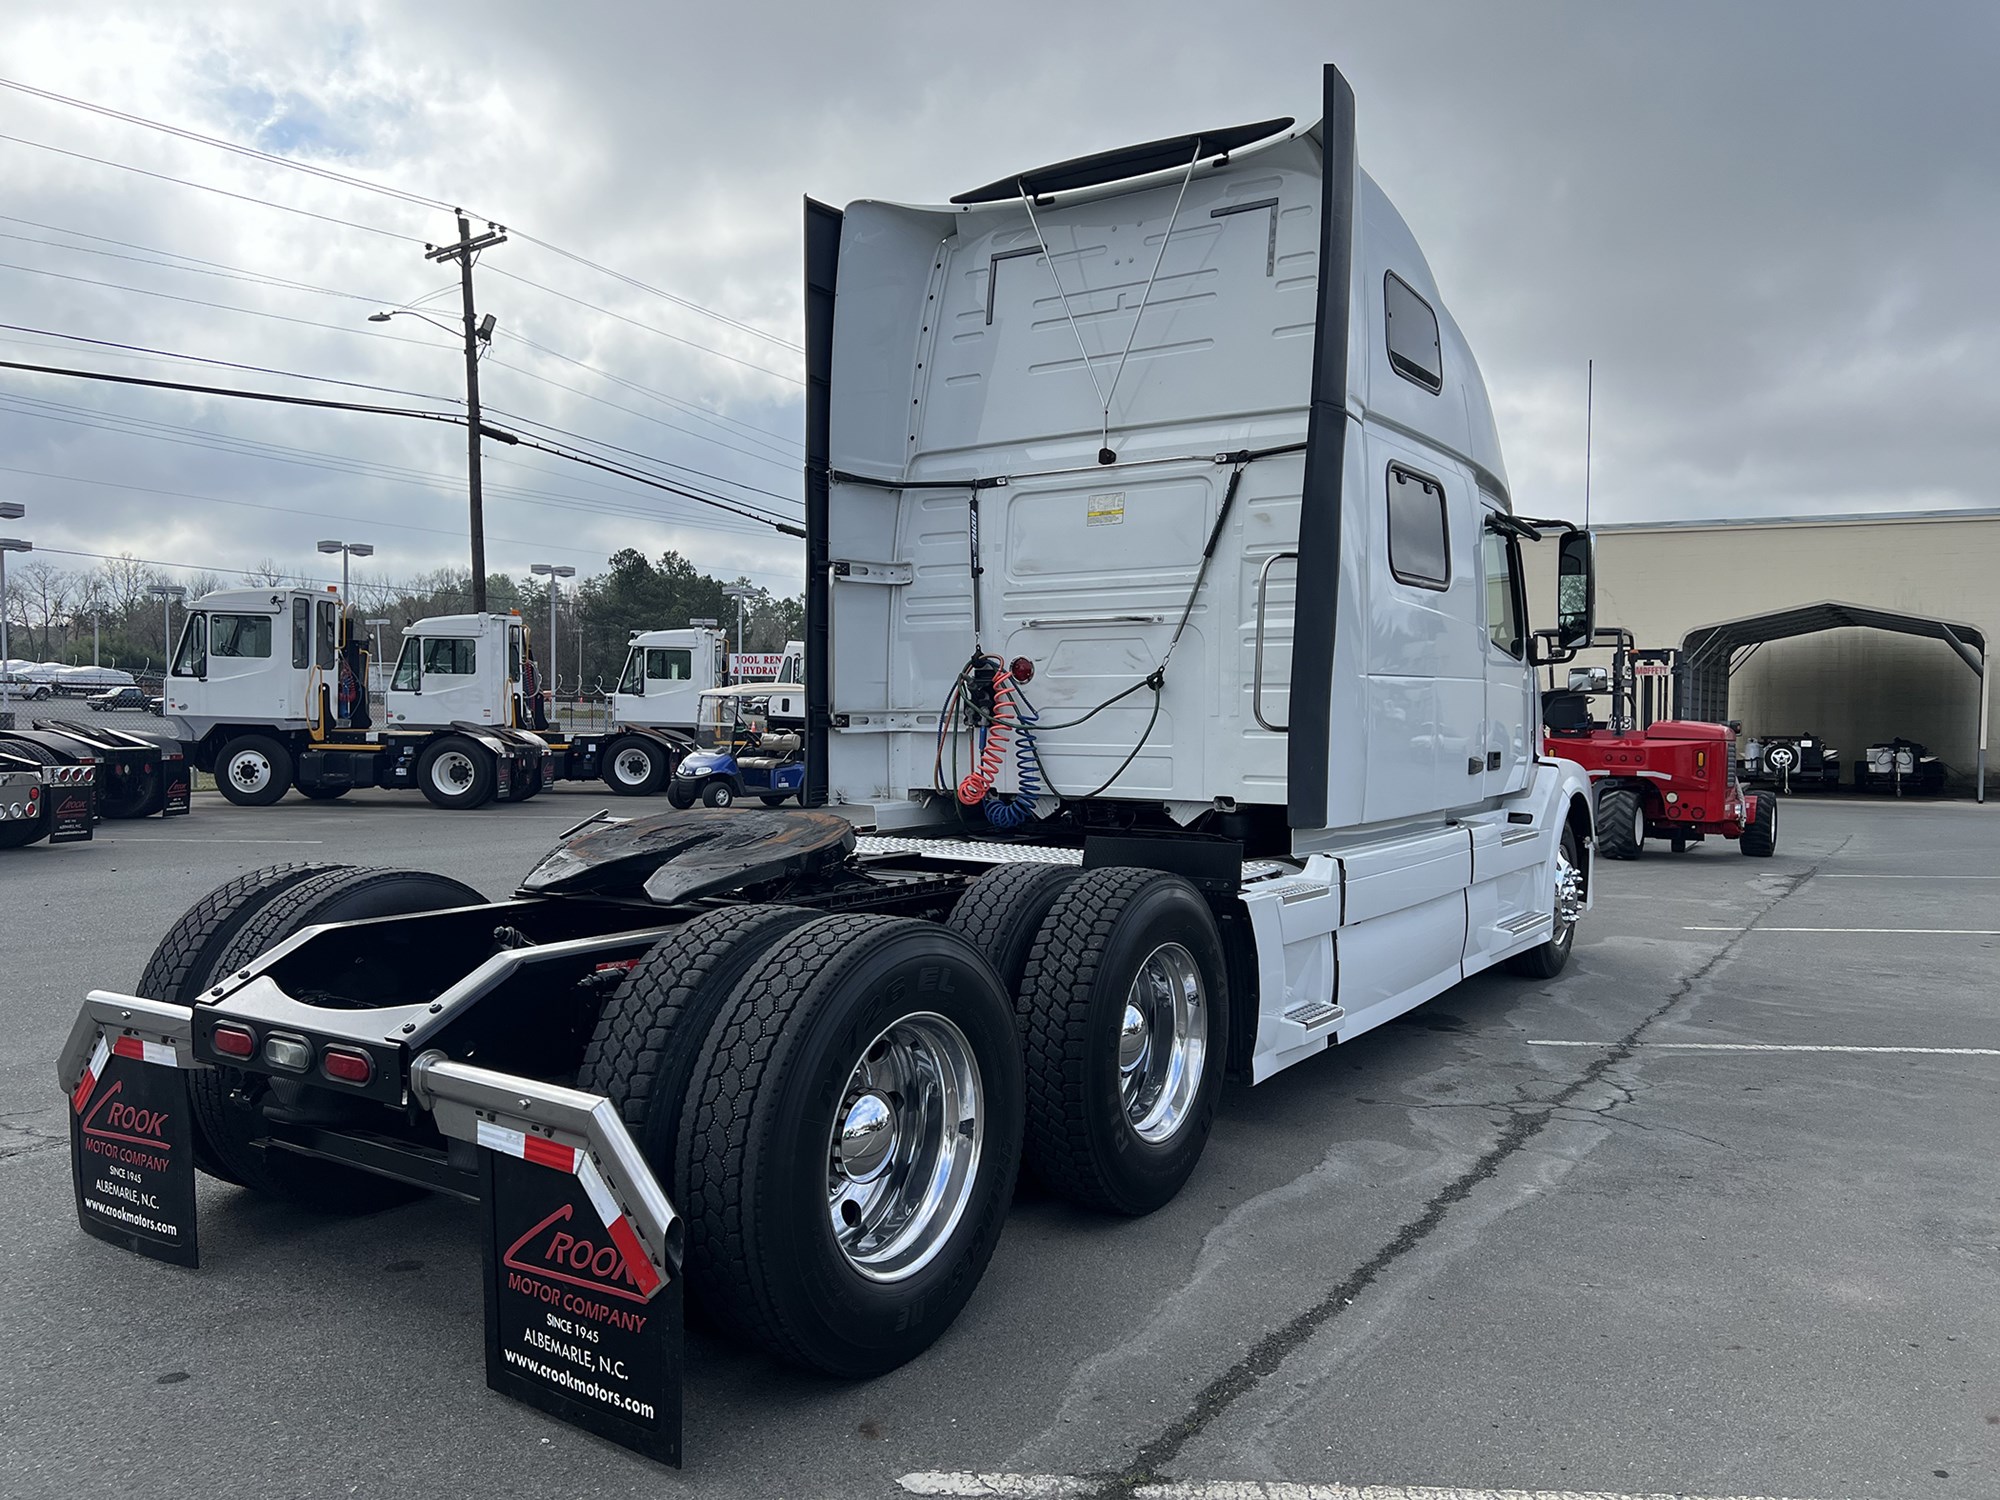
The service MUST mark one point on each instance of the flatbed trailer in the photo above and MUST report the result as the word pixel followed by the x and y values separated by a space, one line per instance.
pixel 44 796
pixel 139 775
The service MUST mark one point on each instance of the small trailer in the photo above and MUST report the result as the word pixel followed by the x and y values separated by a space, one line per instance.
pixel 264 719
pixel 1156 494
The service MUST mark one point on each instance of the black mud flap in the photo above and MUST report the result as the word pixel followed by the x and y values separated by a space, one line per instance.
pixel 177 776
pixel 71 816
pixel 131 1135
pixel 578 1321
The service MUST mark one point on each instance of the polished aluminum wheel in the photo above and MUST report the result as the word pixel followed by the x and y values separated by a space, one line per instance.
pixel 903 1153
pixel 249 770
pixel 1569 895
pixel 452 772
pixel 1163 1042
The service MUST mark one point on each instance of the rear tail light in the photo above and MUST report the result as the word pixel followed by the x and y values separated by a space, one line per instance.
pixel 347 1065
pixel 1021 669
pixel 288 1052
pixel 233 1041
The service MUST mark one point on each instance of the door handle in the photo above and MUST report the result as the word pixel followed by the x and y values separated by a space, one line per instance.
pixel 1474 765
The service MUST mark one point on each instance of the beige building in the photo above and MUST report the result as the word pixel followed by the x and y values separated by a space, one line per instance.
pixel 1923 597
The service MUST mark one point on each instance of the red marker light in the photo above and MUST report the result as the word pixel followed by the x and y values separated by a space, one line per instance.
pixel 234 1041
pixel 1021 669
pixel 347 1065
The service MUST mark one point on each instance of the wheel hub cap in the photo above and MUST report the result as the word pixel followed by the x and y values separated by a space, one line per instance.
pixel 250 772
pixel 1163 1042
pixel 867 1136
pixel 903 1151
pixel 1569 894
pixel 632 767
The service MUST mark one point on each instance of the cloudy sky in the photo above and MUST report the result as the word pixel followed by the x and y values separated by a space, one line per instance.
pixel 1771 225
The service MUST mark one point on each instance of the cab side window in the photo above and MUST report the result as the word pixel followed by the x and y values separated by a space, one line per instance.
pixel 1503 593
pixel 323 642
pixel 302 633
pixel 1419 537
pixel 1414 352
pixel 675 664
pixel 447 657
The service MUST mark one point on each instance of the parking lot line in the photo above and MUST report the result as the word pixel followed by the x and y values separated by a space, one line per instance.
pixel 971 1486
pixel 1778 1047
pixel 1909 877
pixel 1912 931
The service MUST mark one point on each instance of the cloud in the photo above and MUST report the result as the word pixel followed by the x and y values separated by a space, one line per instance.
pixel 1767 226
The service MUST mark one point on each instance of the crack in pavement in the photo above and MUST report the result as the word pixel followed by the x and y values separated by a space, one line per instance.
pixel 1527 1122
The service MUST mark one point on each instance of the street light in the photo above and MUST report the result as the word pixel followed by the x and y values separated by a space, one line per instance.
pixel 168 593
pixel 739 592
pixel 554 571
pixel 10 510
pixel 347 549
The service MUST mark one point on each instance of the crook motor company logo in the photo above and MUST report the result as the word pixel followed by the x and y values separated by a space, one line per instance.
pixel 567 1327
pixel 131 1159
pixel 558 1247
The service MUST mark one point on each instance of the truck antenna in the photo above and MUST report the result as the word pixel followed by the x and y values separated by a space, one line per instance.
pixel 1589 393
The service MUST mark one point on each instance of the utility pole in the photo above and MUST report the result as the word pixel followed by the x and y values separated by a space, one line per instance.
pixel 463 252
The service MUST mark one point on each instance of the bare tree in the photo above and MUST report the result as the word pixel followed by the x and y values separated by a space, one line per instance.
pixel 45 591
pixel 265 573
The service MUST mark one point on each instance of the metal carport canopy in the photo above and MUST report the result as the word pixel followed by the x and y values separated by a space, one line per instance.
pixel 1701 679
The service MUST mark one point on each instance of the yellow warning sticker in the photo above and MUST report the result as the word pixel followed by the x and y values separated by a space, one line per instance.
pixel 1106 510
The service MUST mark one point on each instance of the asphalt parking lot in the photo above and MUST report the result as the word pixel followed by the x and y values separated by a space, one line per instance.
pixel 1715 1213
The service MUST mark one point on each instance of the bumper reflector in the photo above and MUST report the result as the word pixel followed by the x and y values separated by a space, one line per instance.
pixel 347 1065
pixel 233 1041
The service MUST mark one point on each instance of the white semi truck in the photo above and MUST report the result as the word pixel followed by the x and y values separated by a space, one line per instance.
pixel 254 694
pixel 1169 712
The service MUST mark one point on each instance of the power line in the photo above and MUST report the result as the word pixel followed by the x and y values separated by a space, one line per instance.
pixel 223 145
pixel 775 522
pixel 221 192
pixel 364 184
pixel 643 457
pixel 227 364
pixel 255 278
pixel 648 327
pixel 126 426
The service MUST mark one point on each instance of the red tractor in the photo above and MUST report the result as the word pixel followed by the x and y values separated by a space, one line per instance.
pixel 1672 779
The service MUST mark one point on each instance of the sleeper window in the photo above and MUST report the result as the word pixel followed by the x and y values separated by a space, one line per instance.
pixel 1419 544
pixel 1413 334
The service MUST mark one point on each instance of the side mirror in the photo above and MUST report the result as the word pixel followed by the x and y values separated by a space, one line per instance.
pixel 1576 590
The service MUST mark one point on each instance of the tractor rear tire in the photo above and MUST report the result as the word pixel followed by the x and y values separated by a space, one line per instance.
pixel 253 770
pixel 1760 838
pixel 850 1143
pixel 136 794
pixel 649 1035
pixel 455 773
pixel 228 1102
pixel 1621 824
pixel 322 793
pixel 1127 962
pixel 1002 911
pixel 186 959
pixel 20 832
pixel 635 766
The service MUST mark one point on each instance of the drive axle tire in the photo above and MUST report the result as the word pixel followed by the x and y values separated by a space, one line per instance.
pixel 634 766
pixel 455 773
pixel 1002 911
pixel 1760 839
pixel 1124 1015
pixel 649 1035
pixel 1621 824
pixel 20 832
pixel 134 794
pixel 323 793
pixel 718 794
pixel 253 770
pixel 1549 959
pixel 850 1143
pixel 187 958
pixel 228 1103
